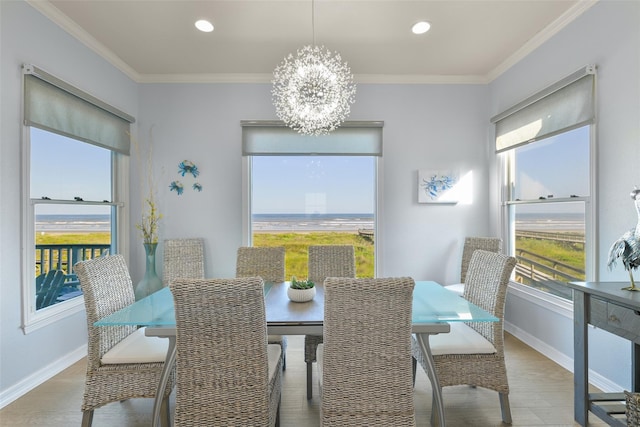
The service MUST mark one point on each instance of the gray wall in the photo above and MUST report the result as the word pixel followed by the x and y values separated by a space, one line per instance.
pixel 426 126
pixel 607 35
pixel 27 37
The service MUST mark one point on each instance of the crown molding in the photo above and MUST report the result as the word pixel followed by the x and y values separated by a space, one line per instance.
pixel 551 30
pixel 53 14
pixel 267 78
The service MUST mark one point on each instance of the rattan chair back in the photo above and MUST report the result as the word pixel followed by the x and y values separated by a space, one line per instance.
pixel 222 362
pixel 265 262
pixel 486 286
pixel 366 363
pixel 325 261
pixel 632 409
pixel 331 261
pixel 471 244
pixel 183 259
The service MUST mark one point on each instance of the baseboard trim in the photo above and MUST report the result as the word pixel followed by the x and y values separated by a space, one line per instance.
pixel 561 359
pixel 34 380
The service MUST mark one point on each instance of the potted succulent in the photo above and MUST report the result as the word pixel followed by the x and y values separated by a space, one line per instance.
pixel 301 290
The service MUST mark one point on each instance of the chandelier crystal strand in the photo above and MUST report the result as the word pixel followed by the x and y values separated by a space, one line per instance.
pixel 313 91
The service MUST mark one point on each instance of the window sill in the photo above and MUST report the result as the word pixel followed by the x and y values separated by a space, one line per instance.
pixel 51 314
pixel 543 299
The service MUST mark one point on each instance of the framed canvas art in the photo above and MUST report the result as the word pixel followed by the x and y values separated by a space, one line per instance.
pixel 436 186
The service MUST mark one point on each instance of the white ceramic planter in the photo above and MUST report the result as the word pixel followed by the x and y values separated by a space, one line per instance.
pixel 301 295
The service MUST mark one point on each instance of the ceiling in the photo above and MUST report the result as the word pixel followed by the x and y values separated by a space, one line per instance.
pixel 470 41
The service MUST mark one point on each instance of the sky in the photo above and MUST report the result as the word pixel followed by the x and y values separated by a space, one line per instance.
pixel 63 168
pixel 313 184
pixel 558 166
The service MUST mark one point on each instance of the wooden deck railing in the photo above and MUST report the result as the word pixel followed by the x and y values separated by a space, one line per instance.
pixel 63 257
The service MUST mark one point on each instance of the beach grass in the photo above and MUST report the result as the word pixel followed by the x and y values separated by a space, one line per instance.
pixel 570 254
pixel 297 246
pixel 63 238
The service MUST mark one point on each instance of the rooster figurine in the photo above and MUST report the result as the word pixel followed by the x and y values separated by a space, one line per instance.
pixel 627 247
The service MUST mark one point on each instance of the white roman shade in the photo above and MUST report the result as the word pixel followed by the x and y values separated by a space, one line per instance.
pixel 566 105
pixel 56 106
pixel 274 138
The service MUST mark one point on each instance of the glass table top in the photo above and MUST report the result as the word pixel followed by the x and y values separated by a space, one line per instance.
pixel 432 303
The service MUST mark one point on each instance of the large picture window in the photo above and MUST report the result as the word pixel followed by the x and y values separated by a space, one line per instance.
pixel 545 144
pixel 304 191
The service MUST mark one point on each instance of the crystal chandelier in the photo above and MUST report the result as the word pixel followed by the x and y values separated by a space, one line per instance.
pixel 313 90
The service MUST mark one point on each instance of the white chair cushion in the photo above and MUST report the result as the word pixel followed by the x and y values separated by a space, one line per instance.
pixel 460 340
pixel 137 348
pixel 458 288
pixel 273 355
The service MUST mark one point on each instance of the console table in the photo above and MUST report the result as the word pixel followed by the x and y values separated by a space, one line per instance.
pixel 606 306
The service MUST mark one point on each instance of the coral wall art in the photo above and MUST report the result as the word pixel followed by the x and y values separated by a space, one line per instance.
pixel 437 186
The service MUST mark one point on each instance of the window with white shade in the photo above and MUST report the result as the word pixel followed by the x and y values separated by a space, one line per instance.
pixel 546 149
pixel 75 165
pixel 312 190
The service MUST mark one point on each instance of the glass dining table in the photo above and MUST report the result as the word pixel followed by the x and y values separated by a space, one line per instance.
pixel 434 307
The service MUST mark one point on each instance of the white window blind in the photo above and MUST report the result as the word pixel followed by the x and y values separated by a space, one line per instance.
pixel 566 105
pixel 274 138
pixel 54 105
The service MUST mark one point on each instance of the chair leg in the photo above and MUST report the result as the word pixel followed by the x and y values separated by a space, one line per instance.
pixel 414 367
pixel 284 360
pixel 505 408
pixel 309 380
pixel 166 411
pixel 87 418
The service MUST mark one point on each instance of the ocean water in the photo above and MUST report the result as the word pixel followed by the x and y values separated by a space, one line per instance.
pixel 306 222
pixel 261 222
pixel 70 223
pixel 551 222
pixel 312 222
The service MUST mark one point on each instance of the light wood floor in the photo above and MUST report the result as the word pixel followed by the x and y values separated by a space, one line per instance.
pixel 541 395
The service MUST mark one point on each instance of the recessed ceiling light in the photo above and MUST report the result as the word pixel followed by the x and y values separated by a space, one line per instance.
pixel 421 27
pixel 204 25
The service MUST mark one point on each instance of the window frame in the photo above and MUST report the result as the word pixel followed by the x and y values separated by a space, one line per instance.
pixel 33 319
pixel 378 214
pixel 591 268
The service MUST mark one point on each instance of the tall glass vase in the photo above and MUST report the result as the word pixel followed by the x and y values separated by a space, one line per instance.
pixel 150 283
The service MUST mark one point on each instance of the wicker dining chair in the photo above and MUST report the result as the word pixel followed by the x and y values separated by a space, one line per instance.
pixel 632 409
pixel 183 259
pixel 268 263
pixel 227 374
pixel 364 364
pixel 472 353
pixel 325 261
pixel 471 244
pixel 122 362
